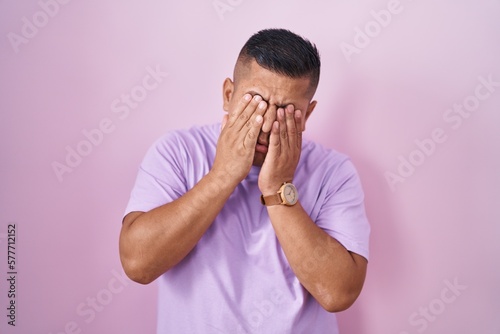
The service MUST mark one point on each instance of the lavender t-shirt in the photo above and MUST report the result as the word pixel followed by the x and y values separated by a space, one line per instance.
pixel 237 279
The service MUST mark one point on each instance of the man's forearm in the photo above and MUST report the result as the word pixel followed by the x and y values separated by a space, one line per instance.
pixel 153 242
pixel 332 275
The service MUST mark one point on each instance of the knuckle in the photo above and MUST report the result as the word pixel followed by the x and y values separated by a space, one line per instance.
pixel 233 115
pixel 243 116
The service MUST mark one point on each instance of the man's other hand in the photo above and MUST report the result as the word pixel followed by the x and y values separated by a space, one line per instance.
pixel 240 130
pixel 285 145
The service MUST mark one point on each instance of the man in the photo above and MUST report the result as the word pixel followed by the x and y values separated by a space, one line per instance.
pixel 247 227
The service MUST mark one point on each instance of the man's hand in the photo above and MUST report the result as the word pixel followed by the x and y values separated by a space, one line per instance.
pixel 285 144
pixel 236 145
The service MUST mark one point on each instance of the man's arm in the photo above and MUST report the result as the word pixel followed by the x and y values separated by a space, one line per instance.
pixel 153 242
pixel 333 275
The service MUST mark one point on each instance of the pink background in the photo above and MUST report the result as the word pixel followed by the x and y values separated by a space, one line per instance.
pixel 439 227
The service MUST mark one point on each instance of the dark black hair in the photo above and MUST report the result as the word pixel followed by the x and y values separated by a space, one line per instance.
pixel 283 52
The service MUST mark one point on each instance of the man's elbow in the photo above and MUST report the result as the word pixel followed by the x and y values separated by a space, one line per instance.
pixel 338 302
pixel 136 272
pixel 134 265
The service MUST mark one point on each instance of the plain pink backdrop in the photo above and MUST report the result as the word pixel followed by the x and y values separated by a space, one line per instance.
pixel 438 227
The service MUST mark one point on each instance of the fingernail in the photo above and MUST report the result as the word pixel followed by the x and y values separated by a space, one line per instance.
pixel 258 119
pixel 247 97
pixel 257 98
pixel 262 105
pixel 281 112
pixel 298 113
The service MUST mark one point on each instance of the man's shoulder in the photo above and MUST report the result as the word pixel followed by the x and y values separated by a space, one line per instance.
pixel 184 146
pixel 207 133
pixel 314 153
pixel 321 164
pixel 198 137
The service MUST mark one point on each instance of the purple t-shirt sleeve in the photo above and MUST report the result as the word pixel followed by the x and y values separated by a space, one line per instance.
pixel 160 178
pixel 342 213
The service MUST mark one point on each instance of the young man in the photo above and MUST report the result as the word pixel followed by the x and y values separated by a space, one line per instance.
pixel 249 228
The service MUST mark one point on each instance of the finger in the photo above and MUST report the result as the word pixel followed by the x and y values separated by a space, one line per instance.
pixel 256 106
pixel 255 124
pixel 299 121
pixel 240 107
pixel 291 127
pixel 282 127
pixel 269 118
pixel 274 148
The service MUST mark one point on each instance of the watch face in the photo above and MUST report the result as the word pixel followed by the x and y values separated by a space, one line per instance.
pixel 290 194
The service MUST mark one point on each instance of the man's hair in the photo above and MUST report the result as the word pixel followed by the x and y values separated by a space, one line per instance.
pixel 283 52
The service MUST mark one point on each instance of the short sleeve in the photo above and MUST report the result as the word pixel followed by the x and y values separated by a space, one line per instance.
pixel 160 178
pixel 342 214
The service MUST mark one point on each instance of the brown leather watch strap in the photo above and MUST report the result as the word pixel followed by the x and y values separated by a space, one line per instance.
pixel 271 199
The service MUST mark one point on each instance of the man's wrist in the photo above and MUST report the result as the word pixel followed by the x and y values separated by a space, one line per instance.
pixel 222 179
pixel 287 194
pixel 272 189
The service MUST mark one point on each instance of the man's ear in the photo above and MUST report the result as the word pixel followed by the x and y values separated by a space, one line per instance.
pixel 309 111
pixel 227 93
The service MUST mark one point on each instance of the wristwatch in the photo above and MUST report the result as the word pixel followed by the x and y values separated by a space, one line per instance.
pixel 287 195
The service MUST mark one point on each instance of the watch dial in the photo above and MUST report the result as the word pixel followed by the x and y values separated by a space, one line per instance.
pixel 290 194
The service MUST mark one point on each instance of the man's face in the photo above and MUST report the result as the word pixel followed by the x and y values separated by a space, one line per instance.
pixel 277 90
